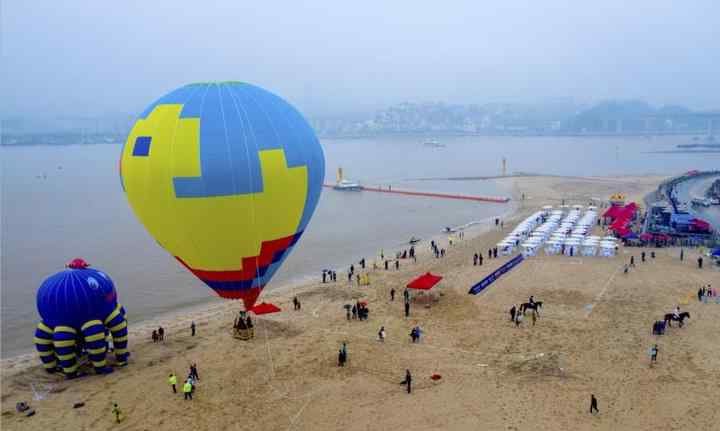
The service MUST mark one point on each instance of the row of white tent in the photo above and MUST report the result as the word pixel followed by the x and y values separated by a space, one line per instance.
pixel 559 232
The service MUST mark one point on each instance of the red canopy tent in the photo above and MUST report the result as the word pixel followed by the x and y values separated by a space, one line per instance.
pixel 699 225
pixel 425 282
pixel 265 308
pixel 613 211
pixel 622 216
pixel 646 236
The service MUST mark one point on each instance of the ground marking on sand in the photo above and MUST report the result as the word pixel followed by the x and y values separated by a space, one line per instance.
pixel 591 307
pixel 297 415
pixel 42 393
pixel 320 305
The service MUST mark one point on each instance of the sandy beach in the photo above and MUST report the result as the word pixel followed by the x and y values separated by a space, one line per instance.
pixel 592 337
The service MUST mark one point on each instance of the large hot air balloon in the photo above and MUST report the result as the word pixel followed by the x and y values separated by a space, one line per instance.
pixel 226 177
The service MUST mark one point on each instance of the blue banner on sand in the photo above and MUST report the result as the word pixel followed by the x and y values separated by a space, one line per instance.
pixel 487 281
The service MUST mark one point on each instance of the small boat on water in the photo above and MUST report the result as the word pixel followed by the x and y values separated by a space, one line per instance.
pixel 433 143
pixel 346 185
pixel 449 230
pixel 414 240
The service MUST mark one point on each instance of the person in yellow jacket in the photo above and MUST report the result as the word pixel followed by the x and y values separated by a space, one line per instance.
pixel 116 412
pixel 172 380
pixel 187 390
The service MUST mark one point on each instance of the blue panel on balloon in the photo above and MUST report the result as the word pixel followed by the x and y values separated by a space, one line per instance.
pixel 142 146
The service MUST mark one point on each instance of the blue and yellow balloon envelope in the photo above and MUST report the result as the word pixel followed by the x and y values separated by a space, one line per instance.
pixel 226 177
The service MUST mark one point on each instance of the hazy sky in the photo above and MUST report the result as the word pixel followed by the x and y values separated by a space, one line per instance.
pixel 344 56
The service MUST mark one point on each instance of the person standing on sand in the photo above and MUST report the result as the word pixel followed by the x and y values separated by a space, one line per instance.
pixel 154 336
pixel 172 380
pixel 653 354
pixel 381 334
pixel 489 253
pixel 192 328
pixel 495 253
pixel 632 261
pixel 593 404
pixel 397 265
pixel 392 294
pixel 386 265
pixel 475 259
pixel 518 319
pixel 187 390
pixel 513 310
pixel 682 254
pixel 193 372
pixel 324 276
pixel 407 308
pixel 480 259
pixel 407 381
pixel 700 261
pixel 161 333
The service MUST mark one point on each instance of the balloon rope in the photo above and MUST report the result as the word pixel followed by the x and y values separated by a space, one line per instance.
pixel 267 347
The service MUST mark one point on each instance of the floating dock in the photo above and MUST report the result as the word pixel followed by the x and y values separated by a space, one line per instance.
pixel 494 199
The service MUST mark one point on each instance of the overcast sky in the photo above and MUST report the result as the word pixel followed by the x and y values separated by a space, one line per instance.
pixel 331 56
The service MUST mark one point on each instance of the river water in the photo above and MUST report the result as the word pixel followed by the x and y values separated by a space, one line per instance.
pixel 61 202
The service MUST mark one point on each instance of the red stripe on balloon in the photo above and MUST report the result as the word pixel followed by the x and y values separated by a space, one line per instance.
pixel 248 296
pixel 250 265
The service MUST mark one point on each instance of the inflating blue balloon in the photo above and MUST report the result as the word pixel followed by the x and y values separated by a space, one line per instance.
pixel 79 304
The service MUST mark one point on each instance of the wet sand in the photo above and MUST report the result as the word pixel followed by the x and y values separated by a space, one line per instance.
pixel 494 376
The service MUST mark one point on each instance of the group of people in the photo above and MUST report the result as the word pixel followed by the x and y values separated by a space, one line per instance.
pixel 437 251
pixel 477 259
pixel 704 293
pixel 159 334
pixel 415 334
pixel 516 313
pixel 243 326
pixel 189 386
pixel 407 254
pixel 492 253
pixel 499 223
pixel 328 275
pixel 358 311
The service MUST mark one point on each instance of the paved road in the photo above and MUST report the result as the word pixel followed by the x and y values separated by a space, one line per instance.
pixel 694 188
